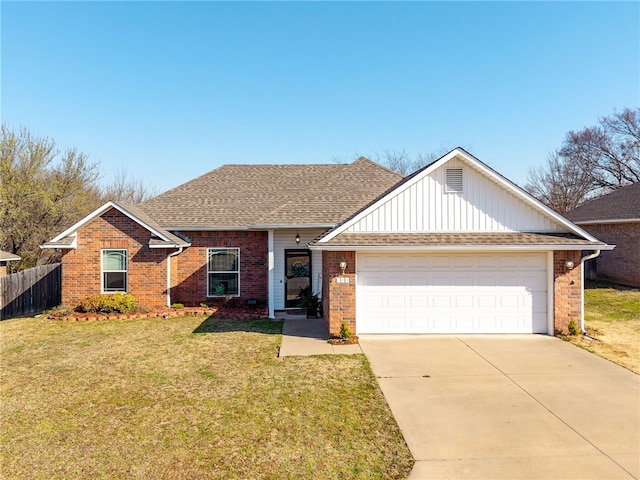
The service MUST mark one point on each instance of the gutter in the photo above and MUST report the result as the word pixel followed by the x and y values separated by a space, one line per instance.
pixel 178 252
pixel 582 260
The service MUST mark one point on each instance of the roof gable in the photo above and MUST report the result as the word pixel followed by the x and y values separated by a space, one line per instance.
pixel 163 238
pixel 487 203
pixel 623 205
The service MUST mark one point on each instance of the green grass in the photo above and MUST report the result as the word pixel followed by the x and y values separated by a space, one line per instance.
pixel 152 399
pixel 609 302
pixel 612 319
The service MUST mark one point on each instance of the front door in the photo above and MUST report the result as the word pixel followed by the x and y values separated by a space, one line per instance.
pixel 297 267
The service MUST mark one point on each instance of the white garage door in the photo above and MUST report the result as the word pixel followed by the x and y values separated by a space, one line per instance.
pixel 451 293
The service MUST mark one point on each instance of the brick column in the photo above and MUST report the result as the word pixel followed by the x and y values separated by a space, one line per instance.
pixel 567 290
pixel 338 291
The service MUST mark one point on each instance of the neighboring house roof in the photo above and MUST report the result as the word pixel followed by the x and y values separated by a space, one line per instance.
pixel 560 234
pixel 623 205
pixel 160 238
pixel 8 257
pixel 263 196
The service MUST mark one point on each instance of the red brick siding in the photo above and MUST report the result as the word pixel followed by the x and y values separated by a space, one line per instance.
pixel 338 299
pixel 567 290
pixel 189 269
pixel 622 264
pixel 147 268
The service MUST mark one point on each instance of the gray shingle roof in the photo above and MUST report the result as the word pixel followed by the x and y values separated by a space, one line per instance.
pixel 239 196
pixel 623 204
pixel 457 240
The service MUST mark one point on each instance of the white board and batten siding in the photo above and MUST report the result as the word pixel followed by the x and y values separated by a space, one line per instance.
pixel 453 293
pixel 285 240
pixel 482 206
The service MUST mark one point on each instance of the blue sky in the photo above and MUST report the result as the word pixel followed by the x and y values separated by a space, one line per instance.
pixel 171 90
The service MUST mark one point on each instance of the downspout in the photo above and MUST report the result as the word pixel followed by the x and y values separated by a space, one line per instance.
pixel 178 252
pixel 582 260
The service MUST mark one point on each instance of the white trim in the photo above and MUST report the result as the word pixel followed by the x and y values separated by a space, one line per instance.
pixel 72 245
pixel 170 246
pixel 582 260
pixel 98 212
pixel 272 279
pixel 291 226
pixel 126 270
pixel 173 254
pixel 237 272
pixel 550 296
pixel 612 220
pixel 459 153
pixel 459 247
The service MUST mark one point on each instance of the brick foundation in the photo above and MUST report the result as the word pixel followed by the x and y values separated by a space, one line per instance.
pixel 338 291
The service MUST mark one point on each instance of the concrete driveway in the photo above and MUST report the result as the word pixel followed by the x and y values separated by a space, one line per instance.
pixel 512 407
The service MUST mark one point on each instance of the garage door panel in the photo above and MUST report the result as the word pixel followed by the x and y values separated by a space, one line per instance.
pixel 488 293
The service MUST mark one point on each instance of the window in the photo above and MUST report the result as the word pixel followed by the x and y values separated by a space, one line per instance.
pixel 114 271
pixel 454 180
pixel 223 272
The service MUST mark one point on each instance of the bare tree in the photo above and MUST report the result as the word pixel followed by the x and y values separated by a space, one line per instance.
pixel 561 184
pixel 123 188
pixel 399 160
pixel 591 162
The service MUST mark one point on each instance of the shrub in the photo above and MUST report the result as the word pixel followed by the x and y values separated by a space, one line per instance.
pixel 573 328
pixel 108 303
pixel 345 332
pixel 177 306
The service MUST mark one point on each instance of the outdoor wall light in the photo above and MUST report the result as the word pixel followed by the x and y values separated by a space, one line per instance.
pixel 568 265
pixel 343 266
pixel 297 238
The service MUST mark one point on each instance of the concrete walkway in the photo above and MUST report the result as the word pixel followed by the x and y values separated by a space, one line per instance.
pixel 509 407
pixel 308 336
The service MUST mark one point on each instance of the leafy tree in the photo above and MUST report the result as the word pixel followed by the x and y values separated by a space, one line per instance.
pixel 591 162
pixel 41 190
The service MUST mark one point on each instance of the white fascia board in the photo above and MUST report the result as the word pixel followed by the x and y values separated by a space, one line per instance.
pixel 98 212
pixel 450 248
pixel 613 220
pixel 172 228
pixel 72 245
pixel 291 226
pixel 457 152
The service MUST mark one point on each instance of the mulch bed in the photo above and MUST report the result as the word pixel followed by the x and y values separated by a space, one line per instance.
pixel 223 311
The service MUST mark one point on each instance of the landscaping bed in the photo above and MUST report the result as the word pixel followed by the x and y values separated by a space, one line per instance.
pixel 186 397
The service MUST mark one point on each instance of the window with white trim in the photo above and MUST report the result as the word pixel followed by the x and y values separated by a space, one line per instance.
pixel 454 180
pixel 114 270
pixel 223 272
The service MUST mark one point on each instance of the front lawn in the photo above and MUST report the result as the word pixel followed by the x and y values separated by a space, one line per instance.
pixel 186 398
pixel 612 318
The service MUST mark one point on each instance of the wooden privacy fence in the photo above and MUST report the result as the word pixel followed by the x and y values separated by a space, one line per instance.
pixel 30 290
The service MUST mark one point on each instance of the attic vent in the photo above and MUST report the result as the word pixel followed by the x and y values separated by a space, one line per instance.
pixel 454 180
